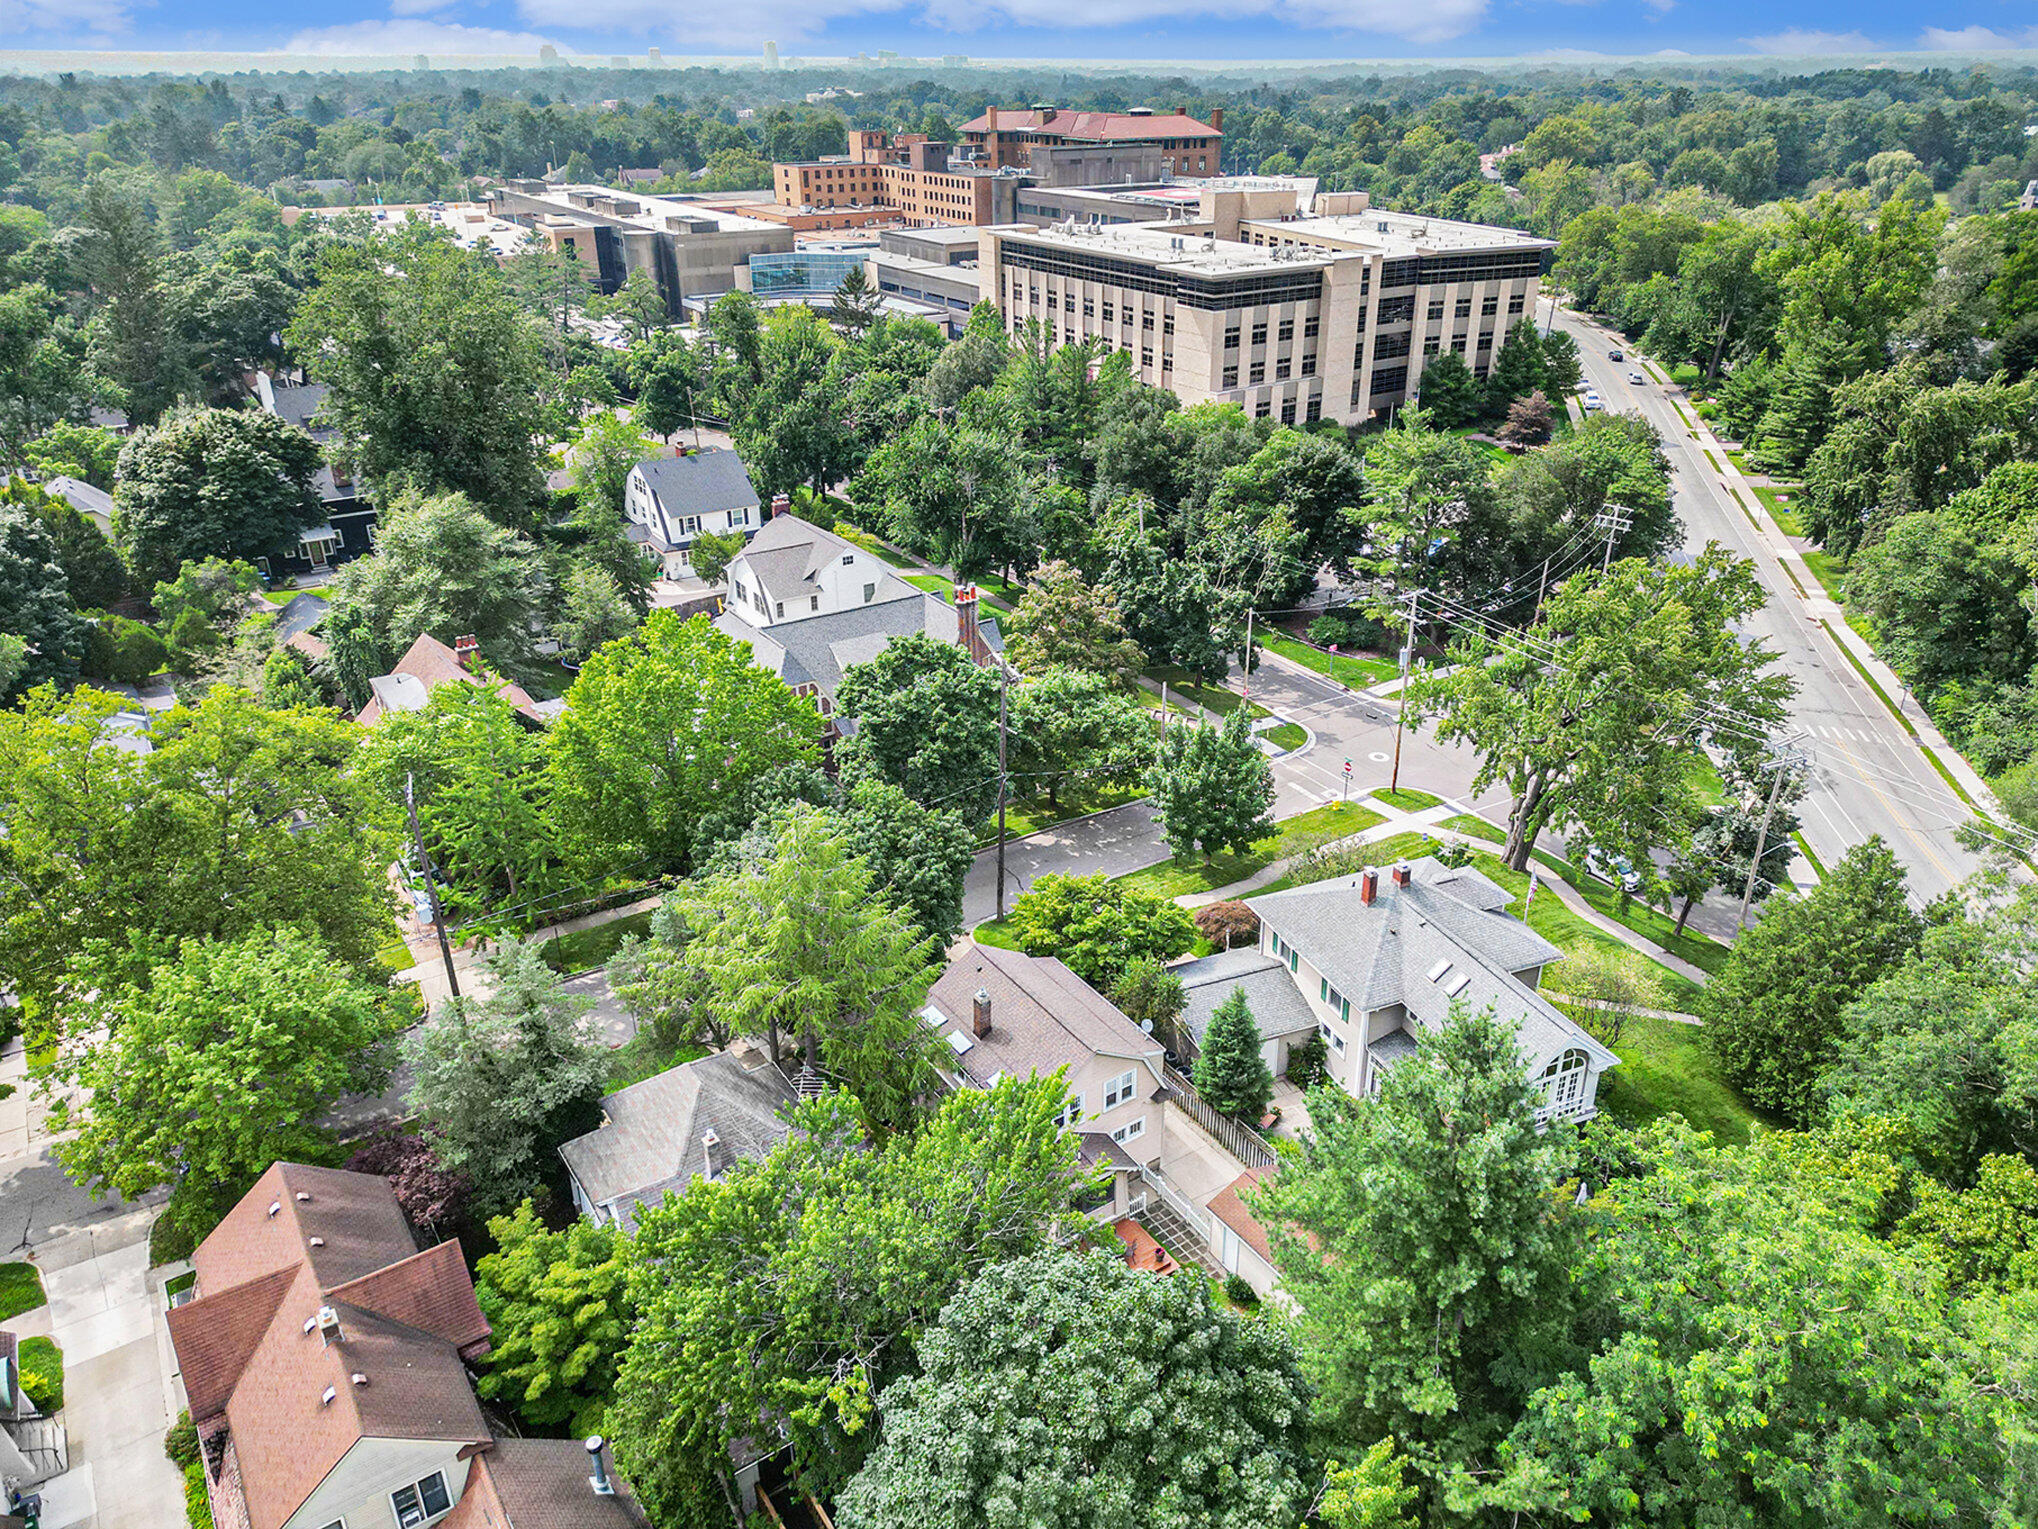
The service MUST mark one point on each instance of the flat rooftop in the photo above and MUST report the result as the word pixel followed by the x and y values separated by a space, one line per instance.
pixel 1403 233
pixel 604 203
pixel 473 225
pixel 1154 244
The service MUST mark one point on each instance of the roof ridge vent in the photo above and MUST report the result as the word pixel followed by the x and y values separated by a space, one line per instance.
pixel 358 1378
pixel 325 1397
pixel 303 1196
pixel 275 1207
pixel 318 1242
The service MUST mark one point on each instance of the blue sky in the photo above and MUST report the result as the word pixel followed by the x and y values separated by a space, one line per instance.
pixel 1126 30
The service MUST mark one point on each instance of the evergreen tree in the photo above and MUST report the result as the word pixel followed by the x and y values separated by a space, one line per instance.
pixel 856 302
pixel 1517 370
pixel 1230 1071
pixel 1214 789
pixel 1450 393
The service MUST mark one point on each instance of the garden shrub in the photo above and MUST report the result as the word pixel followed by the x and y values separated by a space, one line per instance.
pixel 41 1365
pixel 1228 923
pixel 1238 1292
pixel 197 1505
pixel 1350 629
pixel 181 1442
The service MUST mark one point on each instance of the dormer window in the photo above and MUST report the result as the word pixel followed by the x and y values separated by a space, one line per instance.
pixel 848 558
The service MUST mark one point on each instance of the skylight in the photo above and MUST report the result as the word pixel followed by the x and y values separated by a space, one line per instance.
pixel 959 1042
pixel 1463 981
pixel 1436 972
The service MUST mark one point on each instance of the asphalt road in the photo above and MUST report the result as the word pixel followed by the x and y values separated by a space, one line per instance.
pixel 1869 776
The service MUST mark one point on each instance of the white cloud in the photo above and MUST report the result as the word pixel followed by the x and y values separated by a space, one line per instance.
pixel 379 38
pixel 792 20
pixel 1976 39
pixel 98 19
pixel 1797 42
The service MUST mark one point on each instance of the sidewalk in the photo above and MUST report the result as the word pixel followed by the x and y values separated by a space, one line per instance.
pixel 429 971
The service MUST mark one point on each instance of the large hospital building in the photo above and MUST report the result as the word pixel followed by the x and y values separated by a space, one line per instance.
pixel 1329 315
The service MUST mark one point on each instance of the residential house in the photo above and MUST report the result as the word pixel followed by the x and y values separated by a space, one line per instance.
pixel 426 665
pixel 1237 1239
pixel 1373 965
pixel 670 501
pixel 693 1121
pixel 811 604
pixel 348 530
pixel 324 1358
pixel 95 504
pixel 1007 1015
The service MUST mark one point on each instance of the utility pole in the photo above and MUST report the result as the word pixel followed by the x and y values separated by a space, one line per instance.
pixel 417 839
pixel 1401 696
pixel 1542 586
pixel 1004 681
pixel 1783 760
pixel 1614 520
pixel 1246 687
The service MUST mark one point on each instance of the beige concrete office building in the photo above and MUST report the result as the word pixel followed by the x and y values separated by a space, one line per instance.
pixel 1297 318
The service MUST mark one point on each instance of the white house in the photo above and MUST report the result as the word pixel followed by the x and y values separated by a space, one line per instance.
pixel 1003 1014
pixel 1374 963
pixel 669 501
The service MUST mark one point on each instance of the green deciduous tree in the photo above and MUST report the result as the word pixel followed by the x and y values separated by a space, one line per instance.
pixel 1097 926
pixel 218 1068
pixel 608 447
pixel 927 721
pixel 501 1080
pixel 442 567
pixel 35 604
pixel 712 552
pixel 1425 1241
pixel 1773 1012
pixel 1213 787
pixel 661 728
pixel 92 569
pixel 434 370
pixel 559 1302
pixel 796 943
pixel 797 1289
pixel 209 483
pixel 1069 725
pixel 593 610
pixel 483 795
pixel 1590 719
pixel 918 856
pixel 1230 1071
pixel 1064 621
pixel 1019 1414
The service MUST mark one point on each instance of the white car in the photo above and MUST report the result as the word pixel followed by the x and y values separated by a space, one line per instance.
pixel 1637 378
pixel 1591 401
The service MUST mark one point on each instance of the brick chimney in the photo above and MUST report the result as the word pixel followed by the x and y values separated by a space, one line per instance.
pixel 1401 874
pixel 713 1158
pixel 468 650
pixel 1217 118
pixel 980 1014
pixel 967 634
pixel 1369 885
pixel 781 504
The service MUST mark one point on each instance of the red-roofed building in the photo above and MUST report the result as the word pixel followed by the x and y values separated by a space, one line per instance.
pixel 1004 137
pixel 425 666
pixel 1238 1239
pixel 324 1359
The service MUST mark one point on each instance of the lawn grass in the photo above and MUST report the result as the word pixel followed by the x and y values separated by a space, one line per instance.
pixel 1704 778
pixel 582 950
pixel 997 933
pixel 1077 800
pixel 1214 698
pixel 1777 502
pixel 1830 571
pixel 1554 921
pixel 1804 847
pixel 1474 828
pixel 643 1057
pixel 1320 825
pixel 1289 735
pixel 1000 591
pixel 1407 800
pixel 1348 669
pixel 20 1289
pixel 1702 951
pixel 1740 459
pixel 1665 1069
pixel 933 583
pixel 550 680
pixel 1412 845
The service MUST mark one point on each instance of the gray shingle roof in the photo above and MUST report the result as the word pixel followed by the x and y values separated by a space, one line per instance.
pixel 651 1142
pixel 814 650
pixel 1043 1016
pixel 297 405
pixel 702 484
pixel 1445 938
pixel 1277 1008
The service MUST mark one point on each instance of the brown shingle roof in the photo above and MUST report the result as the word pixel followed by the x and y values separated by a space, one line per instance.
pixel 429 1291
pixel 251 1345
pixel 540 1484
pixel 432 664
pixel 1092 126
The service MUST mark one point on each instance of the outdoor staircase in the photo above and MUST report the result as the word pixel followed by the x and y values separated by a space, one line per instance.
pixel 808 1084
pixel 1172 1221
pixel 43 1444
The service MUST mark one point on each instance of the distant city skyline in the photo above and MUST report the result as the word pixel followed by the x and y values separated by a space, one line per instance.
pixel 1117 33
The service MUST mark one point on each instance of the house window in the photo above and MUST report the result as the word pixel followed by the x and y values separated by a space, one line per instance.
pixel 1432 345
pixel 1110 312
pixel 1564 1084
pixel 1146 355
pixel 813 602
pixel 1309 327
pixel 1146 319
pixel 1515 304
pixel 1490 307
pixel 1168 324
pixel 1309 364
pixel 1119 1089
pixel 779 606
pixel 1071 1113
pixel 1264 409
pixel 1464 308
pixel 1231 339
pixel 742 594
pixel 1288 412
pixel 1230 377
pixel 869 593
pixel 848 558
pixel 1280 371
pixel 1436 308
pixel 426 1499
pixel 1258 372
pixel 1315 409
pixel 1336 1041
pixel 1132 1130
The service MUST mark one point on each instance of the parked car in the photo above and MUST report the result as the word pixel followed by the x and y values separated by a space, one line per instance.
pixel 1637 379
pixel 1614 870
pixel 1614 355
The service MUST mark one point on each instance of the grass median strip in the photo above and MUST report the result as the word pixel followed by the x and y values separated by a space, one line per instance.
pixel 1862 670
pixel 1292 836
pixel 1348 669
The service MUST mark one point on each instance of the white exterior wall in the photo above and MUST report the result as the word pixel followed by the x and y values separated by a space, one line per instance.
pixel 356 1491
pixel 1236 1256
pixel 840 586
pixel 643 506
